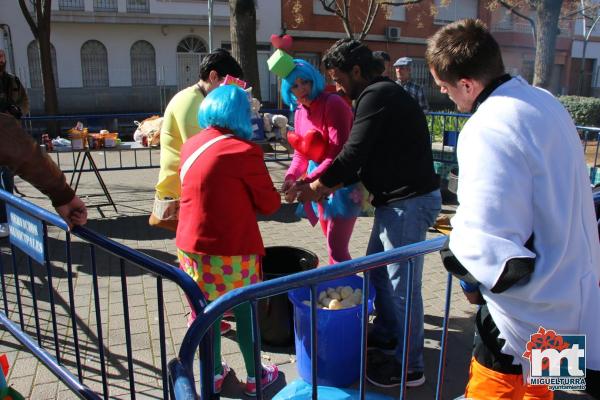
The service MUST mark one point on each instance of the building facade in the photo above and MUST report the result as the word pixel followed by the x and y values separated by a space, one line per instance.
pixel 133 55
pixel 584 78
pixel 126 55
pixel 403 32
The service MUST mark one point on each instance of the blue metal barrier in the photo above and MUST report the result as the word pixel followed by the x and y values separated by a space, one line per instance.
pixel 112 159
pixel 444 129
pixel 122 123
pixel 182 381
pixel 95 243
pixel 590 138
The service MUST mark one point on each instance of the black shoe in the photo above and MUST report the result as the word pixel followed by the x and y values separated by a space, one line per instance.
pixel 385 346
pixel 414 379
pixel 388 375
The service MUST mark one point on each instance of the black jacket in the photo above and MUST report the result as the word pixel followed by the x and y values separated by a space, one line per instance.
pixel 389 146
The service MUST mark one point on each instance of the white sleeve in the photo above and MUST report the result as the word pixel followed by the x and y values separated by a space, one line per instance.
pixel 495 215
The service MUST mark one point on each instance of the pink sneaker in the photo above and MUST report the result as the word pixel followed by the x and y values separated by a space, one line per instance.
pixel 220 378
pixel 269 375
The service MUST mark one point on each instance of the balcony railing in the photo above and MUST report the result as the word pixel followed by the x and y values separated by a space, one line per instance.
pixel 105 5
pixel 70 5
pixel 138 6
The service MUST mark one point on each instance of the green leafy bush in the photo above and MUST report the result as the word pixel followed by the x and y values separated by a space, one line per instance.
pixel 439 122
pixel 585 111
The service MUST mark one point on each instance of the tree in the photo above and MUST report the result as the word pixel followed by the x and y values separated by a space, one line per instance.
pixel 544 25
pixel 545 31
pixel 242 23
pixel 364 17
pixel 37 15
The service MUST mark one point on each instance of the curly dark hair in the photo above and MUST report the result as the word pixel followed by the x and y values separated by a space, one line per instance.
pixel 346 53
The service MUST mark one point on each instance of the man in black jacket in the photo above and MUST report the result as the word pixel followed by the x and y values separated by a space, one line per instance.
pixel 389 149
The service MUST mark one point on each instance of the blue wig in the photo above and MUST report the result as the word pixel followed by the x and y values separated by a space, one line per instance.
pixel 305 71
pixel 227 107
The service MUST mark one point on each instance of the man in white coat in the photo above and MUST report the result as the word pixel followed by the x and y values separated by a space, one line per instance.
pixel 524 240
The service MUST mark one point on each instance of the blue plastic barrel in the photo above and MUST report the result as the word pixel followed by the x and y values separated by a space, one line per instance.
pixel 338 336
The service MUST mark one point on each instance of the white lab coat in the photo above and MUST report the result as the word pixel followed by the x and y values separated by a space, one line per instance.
pixel 521 171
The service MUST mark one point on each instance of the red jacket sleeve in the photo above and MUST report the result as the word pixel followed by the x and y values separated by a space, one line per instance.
pixel 23 156
pixel 264 196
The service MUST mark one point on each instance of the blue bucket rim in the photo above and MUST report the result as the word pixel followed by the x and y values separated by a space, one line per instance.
pixel 294 294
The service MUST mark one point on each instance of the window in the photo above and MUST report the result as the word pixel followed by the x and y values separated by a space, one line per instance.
pixel 455 10
pixel 190 52
pixel 94 64
pixel 70 5
pixel 312 58
pixel 191 44
pixel 35 66
pixel 140 6
pixel 527 69
pixel 143 64
pixel 318 8
pixel 395 13
pixel 105 5
pixel 420 75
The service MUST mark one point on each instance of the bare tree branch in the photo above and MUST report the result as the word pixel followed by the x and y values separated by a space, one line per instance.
pixel 372 10
pixel 29 19
pixel 513 10
pixel 328 6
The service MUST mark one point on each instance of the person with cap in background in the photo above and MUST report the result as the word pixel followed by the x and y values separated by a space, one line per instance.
pixel 403 76
pixel 384 59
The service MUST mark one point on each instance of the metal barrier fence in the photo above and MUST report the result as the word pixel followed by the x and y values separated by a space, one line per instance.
pixel 122 123
pixel 54 304
pixel 113 159
pixel 590 137
pixel 182 380
pixel 444 129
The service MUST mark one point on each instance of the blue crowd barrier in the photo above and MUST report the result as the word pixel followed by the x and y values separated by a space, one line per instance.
pixel 182 380
pixel 444 128
pixel 95 243
pixel 590 137
pixel 177 377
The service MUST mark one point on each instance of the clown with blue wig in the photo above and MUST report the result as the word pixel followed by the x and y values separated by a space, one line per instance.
pixel 224 184
pixel 322 123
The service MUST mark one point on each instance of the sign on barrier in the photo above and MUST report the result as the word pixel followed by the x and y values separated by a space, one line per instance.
pixel 26 233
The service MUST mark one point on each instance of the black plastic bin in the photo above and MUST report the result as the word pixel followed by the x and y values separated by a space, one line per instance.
pixel 276 314
pixel 453 181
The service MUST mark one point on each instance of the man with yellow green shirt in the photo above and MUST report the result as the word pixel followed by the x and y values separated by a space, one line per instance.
pixel 180 122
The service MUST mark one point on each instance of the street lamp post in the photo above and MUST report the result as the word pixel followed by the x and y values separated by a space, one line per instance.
pixel 210 26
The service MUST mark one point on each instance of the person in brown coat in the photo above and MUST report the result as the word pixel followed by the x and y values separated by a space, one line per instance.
pixel 23 156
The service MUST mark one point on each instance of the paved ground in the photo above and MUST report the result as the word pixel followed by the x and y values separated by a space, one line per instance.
pixel 133 192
